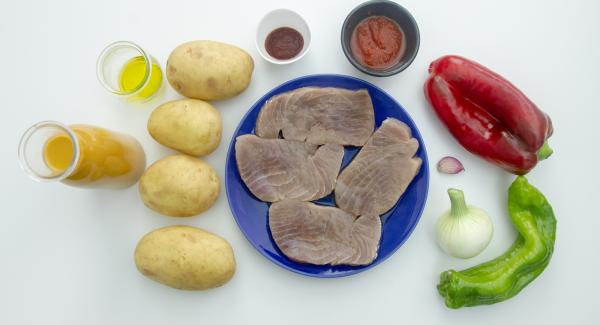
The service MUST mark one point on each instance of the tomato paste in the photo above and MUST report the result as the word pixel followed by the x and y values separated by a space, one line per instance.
pixel 377 42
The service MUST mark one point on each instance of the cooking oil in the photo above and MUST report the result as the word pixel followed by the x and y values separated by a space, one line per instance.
pixel 59 152
pixel 132 76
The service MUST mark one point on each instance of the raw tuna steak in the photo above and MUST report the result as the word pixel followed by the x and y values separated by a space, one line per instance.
pixel 278 169
pixel 381 171
pixel 310 233
pixel 319 116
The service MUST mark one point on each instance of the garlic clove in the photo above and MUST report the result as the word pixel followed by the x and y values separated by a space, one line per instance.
pixel 450 165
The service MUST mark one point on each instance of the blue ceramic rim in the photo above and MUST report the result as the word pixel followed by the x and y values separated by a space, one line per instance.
pixel 230 152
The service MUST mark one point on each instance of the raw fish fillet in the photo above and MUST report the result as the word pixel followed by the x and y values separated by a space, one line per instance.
pixel 278 169
pixel 381 171
pixel 319 116
pixel 310 233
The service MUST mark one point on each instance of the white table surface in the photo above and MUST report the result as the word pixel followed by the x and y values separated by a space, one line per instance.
pixel 67 253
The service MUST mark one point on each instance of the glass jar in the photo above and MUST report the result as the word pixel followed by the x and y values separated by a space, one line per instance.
pixel 126 70
pixel 81 155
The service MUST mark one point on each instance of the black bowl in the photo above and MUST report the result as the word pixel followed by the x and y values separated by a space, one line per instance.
pixel 394 12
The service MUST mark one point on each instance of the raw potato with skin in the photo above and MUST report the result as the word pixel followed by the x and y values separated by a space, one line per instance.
pixel 185 257
pixel 209 70
pixel 191 126
pixel 179 186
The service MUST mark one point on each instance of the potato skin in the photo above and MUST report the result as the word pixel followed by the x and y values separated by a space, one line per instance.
pixel 191 126
pixel 185 257
pixel 209 70
pixel 179 186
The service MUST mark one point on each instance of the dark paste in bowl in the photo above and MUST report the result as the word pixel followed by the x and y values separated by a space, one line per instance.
pixel 373 17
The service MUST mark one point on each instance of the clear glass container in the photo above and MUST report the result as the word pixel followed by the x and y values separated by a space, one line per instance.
pixel 81 155
pixel 128 71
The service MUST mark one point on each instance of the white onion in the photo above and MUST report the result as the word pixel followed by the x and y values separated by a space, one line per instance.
pixel 464 231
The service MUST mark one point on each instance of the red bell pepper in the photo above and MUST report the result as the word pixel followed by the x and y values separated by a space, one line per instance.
pixel 487 114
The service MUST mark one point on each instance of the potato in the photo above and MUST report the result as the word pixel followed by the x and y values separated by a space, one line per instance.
pixel 209 70
pixel 179 186
pixel 191 126
pixel 185 257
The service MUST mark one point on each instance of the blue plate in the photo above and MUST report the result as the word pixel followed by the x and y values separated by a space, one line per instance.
pixel 251 214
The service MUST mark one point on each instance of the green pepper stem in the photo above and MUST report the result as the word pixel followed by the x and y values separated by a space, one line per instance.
pixel 458 206
pixel 545 151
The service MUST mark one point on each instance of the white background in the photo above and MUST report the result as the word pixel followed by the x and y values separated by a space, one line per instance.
pixel 66 253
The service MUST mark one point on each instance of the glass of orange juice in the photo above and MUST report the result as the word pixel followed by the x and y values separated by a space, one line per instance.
pixel 128 71
pixel 81 155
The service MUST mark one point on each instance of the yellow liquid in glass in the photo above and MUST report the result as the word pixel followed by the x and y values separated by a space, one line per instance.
pixel 58 153
pixel 103 156
pixel 132 75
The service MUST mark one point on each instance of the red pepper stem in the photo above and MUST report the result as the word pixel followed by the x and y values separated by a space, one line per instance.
pixel 545 151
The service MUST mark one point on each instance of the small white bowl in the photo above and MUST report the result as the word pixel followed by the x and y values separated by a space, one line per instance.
pixel 276 19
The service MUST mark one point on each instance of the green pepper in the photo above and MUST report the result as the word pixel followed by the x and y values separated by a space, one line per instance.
pixel 505 276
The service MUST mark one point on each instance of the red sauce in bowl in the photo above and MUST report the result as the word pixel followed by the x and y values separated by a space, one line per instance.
pixel 377 42
pixel 284 43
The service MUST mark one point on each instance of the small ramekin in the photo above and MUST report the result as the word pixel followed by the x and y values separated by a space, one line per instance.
pixel 394 12
pixel 281 18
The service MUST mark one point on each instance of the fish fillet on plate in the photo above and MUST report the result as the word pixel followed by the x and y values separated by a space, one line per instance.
pixel 278 169
pixel 310 233
pixel 319 116
pixel 381 171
